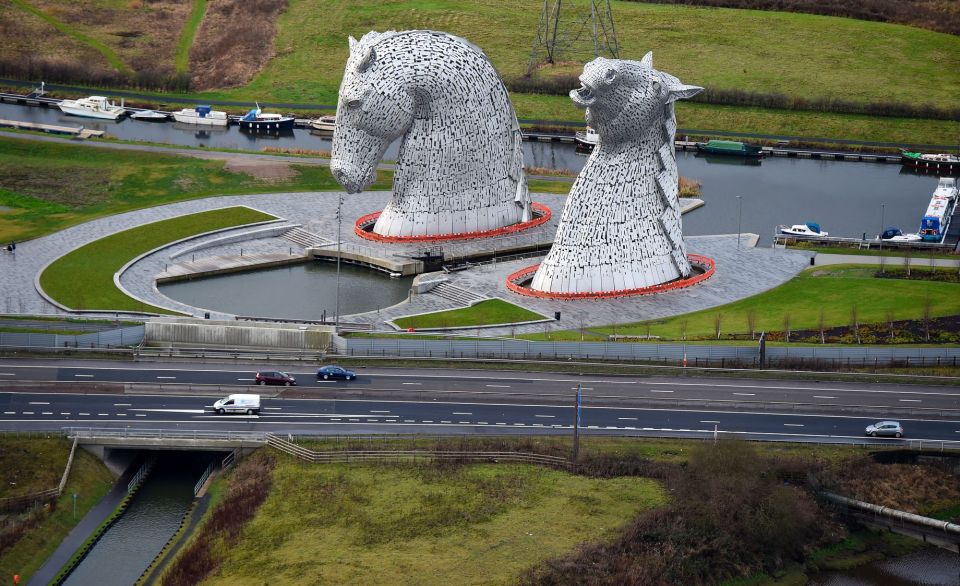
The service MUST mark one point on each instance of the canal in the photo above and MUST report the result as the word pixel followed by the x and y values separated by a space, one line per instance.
pixel 151 519
pixel 846 198
pixel 928 567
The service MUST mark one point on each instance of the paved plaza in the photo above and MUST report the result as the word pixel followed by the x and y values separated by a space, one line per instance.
pixel 741 271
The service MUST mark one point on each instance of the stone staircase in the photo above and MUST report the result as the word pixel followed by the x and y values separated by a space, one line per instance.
pixel 456 294
pixel 301 237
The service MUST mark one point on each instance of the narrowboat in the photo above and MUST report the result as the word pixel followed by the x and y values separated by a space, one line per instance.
pixel 730 147
pixel 941 163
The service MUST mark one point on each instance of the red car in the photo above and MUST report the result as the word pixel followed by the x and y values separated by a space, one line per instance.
pixel 274 377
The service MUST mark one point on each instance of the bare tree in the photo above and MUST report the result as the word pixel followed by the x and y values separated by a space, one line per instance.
pixel 683 329
pixel 890 320
pixel 717 319
pixel 648 330
pixel 883 263
pixel 927 310
pixel 906 261
pixel 933 263
pixel 855 322
pixel 820 324
pixel 581 330
pixel 752 321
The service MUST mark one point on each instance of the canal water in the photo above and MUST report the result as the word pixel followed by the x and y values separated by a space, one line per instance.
pixel 303 291
pixel 152 518
pixel 845 198
pixel 927 567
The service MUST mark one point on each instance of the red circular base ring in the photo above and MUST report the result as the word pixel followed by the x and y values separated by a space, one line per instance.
pixel 364 221
pixel 707 264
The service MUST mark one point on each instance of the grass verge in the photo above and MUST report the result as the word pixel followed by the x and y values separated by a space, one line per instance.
pixel 189 32
pixel 491 311
pixel 83 278
pixel 89 478
pixel 833 292
pixel 423 524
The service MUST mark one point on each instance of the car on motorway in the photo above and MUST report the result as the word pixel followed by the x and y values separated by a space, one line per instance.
pixel 328 372
pixel 274 377
pixel 885 428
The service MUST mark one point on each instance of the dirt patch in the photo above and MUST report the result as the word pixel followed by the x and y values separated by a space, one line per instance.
pixel 907 487
pixel 235 41
pixel 70 186
pixel 261 170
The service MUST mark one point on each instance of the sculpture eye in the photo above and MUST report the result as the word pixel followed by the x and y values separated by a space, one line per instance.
pixel 656 87
pixel 610 75
pixel 354 104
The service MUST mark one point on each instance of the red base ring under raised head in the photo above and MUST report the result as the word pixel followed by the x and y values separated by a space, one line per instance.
pixel 542 215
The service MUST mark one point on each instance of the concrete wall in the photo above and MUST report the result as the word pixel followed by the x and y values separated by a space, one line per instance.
pixel 211 333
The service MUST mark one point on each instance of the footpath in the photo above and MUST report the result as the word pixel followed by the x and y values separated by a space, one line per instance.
pixel 917 263
pixel 93 519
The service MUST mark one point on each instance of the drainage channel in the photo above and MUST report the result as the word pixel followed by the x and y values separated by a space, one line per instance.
pixel 151 519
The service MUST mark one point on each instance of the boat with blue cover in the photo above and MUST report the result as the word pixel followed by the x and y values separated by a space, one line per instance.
pixel 258 121
pixel 203 115
pixel 808 230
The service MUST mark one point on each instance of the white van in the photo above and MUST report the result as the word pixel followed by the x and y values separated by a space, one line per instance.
pixel 249 404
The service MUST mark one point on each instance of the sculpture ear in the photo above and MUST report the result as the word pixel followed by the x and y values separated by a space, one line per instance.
pixel 647 60
pixel 353 43
pixel 682 92
pixel 368 60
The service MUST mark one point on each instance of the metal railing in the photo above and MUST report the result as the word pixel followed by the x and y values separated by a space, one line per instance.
pixel 203 479
pixel 138 433
pixel 141 474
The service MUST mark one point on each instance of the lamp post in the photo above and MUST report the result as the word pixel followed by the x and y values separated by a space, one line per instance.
pixel 739 216
pixel 336 323
pixel 882 267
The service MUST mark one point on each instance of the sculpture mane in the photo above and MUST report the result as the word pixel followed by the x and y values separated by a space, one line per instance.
pixel 460 167
pixel 620 228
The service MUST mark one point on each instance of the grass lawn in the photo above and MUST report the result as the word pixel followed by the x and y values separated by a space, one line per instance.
pixel 917 259
pixel 368 524
pixel 83 278
pixel 834 290
pixel 46 459
pixel 492 311
pixel 188 34
pixel 50 186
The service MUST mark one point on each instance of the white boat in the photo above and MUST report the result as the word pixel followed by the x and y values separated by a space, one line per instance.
pixel 92 107
pixel 204 115
pixel 150 116
pixel 809 230
pixel 324 123
pixel 586 139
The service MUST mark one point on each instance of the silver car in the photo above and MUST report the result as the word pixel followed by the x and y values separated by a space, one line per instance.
pixel 885 428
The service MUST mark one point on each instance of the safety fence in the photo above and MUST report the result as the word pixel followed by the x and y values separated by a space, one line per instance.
pixel 127 336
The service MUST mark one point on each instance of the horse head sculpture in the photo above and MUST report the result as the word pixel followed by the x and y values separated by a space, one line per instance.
pixel 460 167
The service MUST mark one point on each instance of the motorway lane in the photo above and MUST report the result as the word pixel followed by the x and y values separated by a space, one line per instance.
pixel 57 410
pixel 874 397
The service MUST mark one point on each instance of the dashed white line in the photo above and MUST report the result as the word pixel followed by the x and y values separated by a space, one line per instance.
pixel 83 375
pixel 373 420
pixel 427 421
pixel 122 404
pixel 7 374
pixel 83 414
pixel 793 425
pixel 374 411
pixel 408 420
pixel 499 386
pixel 746 394
pixel 335 419
pixel 246 379
pixel 411 383
pixel 500 423
pixel 38 403
pixel 464 422
pixel 656 391
pixel 121 414
pixel 550 416
pixel 46 413
pixel 910 401
pixel 353 420
pixel 166 377
pixel 483 423
pixel 103 414
pixel 627 418
pixel 62 413
pixel 28 412
pixel 709 421
pixel 445 421
pixel 272 408
pixel 9 412
pixel 461 413
pixel 141 414
pixel 582 388
pixel 823 397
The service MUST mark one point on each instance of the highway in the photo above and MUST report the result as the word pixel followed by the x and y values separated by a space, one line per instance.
pixel 48 395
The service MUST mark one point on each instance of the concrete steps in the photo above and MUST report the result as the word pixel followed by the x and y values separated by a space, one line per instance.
pixel 305 239
pixel 456 294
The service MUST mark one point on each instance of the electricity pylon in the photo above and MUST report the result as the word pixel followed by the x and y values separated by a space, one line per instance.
pixel 574 30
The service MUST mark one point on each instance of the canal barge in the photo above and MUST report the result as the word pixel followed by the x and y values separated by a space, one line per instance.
pixel 730 147
pixel 940 163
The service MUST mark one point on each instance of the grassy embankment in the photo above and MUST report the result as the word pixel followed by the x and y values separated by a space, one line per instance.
pixel 833 291
pixel 51 186
pixel 187 36
pixel 32 465
pixel 492 311
pixel 99 260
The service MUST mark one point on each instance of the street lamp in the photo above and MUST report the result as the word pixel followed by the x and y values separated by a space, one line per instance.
pixel 739 216
pixel 336 323
pixel 882 205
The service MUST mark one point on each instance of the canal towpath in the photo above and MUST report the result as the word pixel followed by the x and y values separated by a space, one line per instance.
pixel 918 262
pixel 79 534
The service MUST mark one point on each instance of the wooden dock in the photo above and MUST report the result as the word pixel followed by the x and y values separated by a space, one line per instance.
pixel 75 131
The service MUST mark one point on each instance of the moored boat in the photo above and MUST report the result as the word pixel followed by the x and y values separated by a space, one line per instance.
pixel 324 124
pixel 150 116
pixel 730 147
pixel 933 225
pixel 808 230
pixel 204 115
pixel 92 107
pixel 586 139
pixel 258 121
pixel 944 163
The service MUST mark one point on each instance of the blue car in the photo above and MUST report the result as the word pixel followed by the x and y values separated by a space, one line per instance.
pixel 328 372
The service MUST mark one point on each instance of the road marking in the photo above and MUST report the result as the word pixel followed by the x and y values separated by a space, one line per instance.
pixel 374 420
pixel 39 403
pixel 745 394
pixel 823 397
pixel 793 424
pixel 411 383
pixel 84 375
pixel 62 413
pixel 7 374
pixel 408 420
pixel 82 414
pixel 272 408
pixel 9 412
pixel 627 418
pixel 122 404
pixel 121 414
pixel 500 423
pixel 28 412
pixel 373 411
pixel 46 413
pixel 247 379
pixel 444 421
pixel 334 419
pixel 167 377
pixel 103 414
pixel 545 416
pixel 141 414
pixel 499 386
pixel 428 421
pixel 168 411
pixel 656 391
pixel 482 423
pixel 582 388
pixel 911 401
pixel 461 413
pixel 463 422
pixel 709 421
